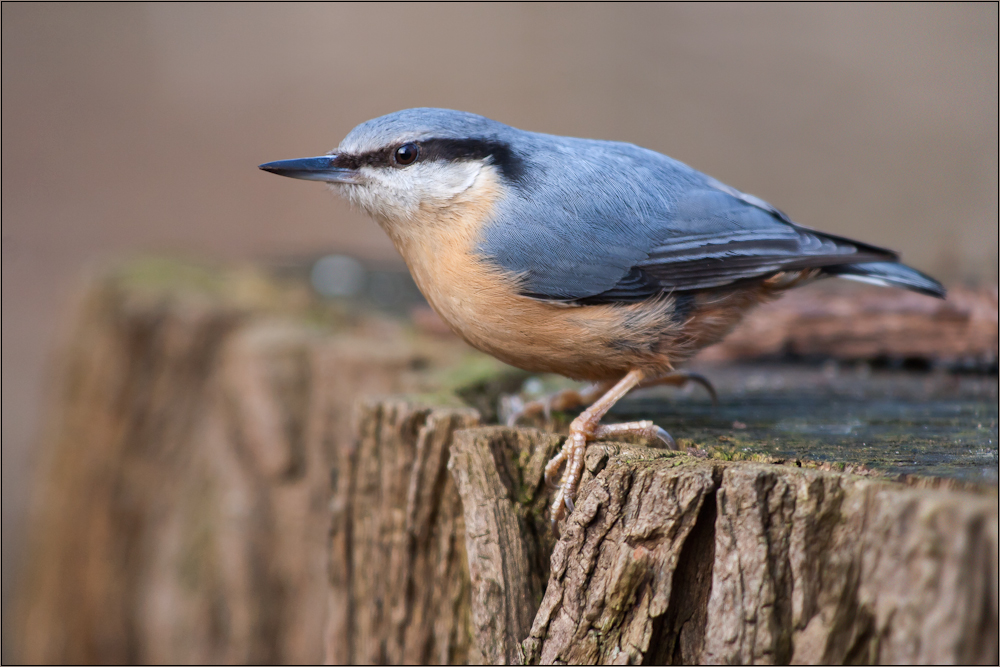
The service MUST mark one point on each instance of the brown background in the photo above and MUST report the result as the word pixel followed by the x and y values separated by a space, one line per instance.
pixel 137 128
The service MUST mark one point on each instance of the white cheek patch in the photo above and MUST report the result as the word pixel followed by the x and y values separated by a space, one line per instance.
pixel 399 193
pixel 443 181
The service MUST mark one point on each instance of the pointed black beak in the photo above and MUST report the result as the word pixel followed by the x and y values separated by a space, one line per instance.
pixel 313 169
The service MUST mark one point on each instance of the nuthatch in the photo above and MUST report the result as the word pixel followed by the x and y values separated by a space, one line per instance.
pixel 596 260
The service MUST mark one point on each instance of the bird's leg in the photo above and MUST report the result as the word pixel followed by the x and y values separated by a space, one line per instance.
pixel 681 379
pixel 587 427
pixel 567 399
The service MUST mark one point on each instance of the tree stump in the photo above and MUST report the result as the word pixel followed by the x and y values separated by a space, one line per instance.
pixel 834 320
pixel 500 477
pixel 213 490
pixel 671 559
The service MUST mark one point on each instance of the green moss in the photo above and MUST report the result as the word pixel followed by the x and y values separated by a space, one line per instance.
pixel 170 274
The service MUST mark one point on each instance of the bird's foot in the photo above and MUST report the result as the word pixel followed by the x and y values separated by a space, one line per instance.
pixel 567 399
pixel 583 430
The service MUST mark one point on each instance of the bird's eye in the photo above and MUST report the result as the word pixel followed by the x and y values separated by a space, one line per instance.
pixel 406 154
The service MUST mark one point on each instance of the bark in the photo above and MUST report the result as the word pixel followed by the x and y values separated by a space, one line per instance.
pixel 398 574
pixel 135 376
pixel 671 560
pixel 500 477
pixel 616 570
pixel 818 568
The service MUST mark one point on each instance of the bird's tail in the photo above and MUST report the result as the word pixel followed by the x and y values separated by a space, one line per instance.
pixel 889 274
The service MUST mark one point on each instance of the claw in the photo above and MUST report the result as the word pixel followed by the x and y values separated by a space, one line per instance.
pixel 552 467
pixel 704 382
pixel 682 378
pixel 584 428
pixel 558 510
pixel 665 437
pixel 529 409
pixel 587 427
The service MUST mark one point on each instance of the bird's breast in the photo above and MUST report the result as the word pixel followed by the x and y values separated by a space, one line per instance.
pixel 440 246
pixel 483 303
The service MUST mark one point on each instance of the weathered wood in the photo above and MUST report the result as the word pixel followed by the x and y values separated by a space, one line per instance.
pixel 136 374
pixel 817 568
pixel 399 582
pixel 671 560
pixel 614 595
pixel 500 476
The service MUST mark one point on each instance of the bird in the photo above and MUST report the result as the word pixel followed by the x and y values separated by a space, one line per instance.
pixel 597 260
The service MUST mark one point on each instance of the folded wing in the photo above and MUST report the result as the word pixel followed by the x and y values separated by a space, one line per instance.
pixel 644 224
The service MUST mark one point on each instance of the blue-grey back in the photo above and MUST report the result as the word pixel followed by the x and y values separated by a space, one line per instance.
pixel 596 218
pixel 586 212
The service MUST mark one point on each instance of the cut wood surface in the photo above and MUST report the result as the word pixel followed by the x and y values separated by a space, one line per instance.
pixel 668 558
pixel 232 475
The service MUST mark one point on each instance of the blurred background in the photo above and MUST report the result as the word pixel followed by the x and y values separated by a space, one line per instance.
pixel 132 129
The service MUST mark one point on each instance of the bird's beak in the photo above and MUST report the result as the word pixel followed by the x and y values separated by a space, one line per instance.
pixel 313 169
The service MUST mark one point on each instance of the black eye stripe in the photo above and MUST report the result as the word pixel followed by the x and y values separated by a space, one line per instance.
pixel 379 158
pixel 509 163
pixel 460 149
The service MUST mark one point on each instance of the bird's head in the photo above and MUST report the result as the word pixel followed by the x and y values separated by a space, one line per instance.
pixel 397 166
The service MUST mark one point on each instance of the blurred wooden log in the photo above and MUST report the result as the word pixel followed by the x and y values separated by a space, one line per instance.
pixel 135 377
pixel 854 322
pixel 182 514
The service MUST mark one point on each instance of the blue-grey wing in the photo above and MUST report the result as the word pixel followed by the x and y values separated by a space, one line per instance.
pixel 719 236
pixel 612 223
